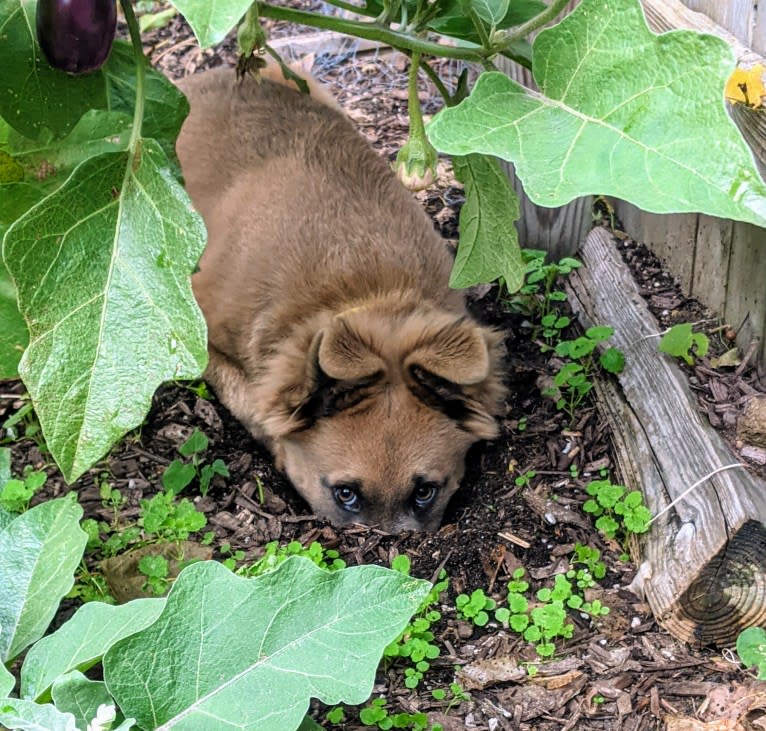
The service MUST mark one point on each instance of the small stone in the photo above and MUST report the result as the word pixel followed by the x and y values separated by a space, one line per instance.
pixel 751 425
pixel 464 630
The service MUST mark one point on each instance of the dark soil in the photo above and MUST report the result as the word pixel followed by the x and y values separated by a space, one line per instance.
pixel 618 672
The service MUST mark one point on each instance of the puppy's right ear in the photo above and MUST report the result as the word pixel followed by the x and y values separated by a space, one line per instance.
pixel 335 372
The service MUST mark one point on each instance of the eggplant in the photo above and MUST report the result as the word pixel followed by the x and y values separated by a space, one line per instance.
pixel 76 35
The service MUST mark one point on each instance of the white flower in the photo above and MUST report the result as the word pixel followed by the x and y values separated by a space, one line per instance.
pixel 105 715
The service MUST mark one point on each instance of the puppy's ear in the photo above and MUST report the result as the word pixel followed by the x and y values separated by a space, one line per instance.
pixel 457 352
pixel 335 372
pixel 456 368
pixel 344 355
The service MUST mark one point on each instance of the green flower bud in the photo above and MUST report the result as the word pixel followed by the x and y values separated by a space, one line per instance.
pixel 415 164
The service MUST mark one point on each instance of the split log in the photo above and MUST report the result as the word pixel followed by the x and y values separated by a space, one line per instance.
pixel 703 562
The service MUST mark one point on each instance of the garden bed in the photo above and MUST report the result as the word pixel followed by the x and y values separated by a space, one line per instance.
pixel 520 505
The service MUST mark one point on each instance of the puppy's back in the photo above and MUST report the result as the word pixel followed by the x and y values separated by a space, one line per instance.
pixel 234 125
pixel 298 208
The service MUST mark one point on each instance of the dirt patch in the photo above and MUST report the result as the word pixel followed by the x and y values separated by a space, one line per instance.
pixel 619 671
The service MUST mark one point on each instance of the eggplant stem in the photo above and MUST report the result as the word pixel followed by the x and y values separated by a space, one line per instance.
pixel 138 54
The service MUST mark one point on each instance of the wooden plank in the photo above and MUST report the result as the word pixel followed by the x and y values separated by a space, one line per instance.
pixel 746 286
pixel 703 563
pixel 737 16
pixel 712 255
pixel 672 238
pixel 758 43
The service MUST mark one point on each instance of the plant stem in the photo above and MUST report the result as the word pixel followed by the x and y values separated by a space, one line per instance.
pixel 351 8
pixel 523 30
pixel 481 31
pixel 372 32
pixel 437 82
pixel 417 130
pixel 138 54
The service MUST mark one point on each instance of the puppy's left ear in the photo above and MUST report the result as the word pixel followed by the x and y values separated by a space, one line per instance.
pixel 310 380
pixel 456 368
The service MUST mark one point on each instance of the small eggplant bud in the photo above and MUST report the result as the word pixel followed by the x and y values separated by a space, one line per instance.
pixel 76 35
pixel 416 163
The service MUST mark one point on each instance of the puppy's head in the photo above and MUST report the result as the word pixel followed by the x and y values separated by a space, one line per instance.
pixel 372 420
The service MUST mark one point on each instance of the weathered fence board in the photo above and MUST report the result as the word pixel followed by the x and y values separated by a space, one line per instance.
pixel 740 17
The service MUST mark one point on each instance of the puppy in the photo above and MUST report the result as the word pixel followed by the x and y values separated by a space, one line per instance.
pixel 333 336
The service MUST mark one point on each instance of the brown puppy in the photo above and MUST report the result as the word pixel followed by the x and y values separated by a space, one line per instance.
pixel 333 335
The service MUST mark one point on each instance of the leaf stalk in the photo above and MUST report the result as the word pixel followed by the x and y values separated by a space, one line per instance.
pixel 138 54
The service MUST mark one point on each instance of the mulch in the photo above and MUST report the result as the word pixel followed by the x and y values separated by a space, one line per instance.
pixel 620 671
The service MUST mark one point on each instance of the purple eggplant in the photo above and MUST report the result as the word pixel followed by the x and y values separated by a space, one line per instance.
pixel 76 35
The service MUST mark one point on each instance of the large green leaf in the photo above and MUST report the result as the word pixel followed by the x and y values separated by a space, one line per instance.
pixel 33 95
pixel 5 472
pixel 74 693
pixel 39 552
pixel 29 716
pixel 211 20
pixel 453 21
pixel 102 267
pixel 7 681
pixel 249 653
pixel 13 333
pixel 489 242
pixel 621 111
pixel 82 641
pixel 48 163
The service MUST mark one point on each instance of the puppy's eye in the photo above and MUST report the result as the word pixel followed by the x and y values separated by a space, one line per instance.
pixel 424 494
pixel 347 497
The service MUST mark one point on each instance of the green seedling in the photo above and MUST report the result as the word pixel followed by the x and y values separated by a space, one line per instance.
pixel 200 389
pixel 538 296
pixel 111 498
pixel 553 325
pixel 170 520
pixel 231 558
pixel 593 568
pixel 546 621
pixel 618 512
pixel 156 570
pixel 15 494
pixel 680 342
pixel 524 479
pixel 573 382
pixel 335 715
pixel 456 695
pixel 179 474
pixel 539 625
pixel 474 607
pixel 90 586
pixel 376 714
pixel 751 648
pixel 24 423
pixel 274 555
pixel 416 643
